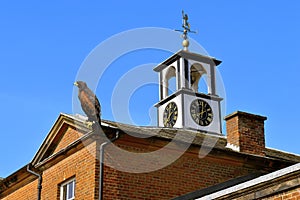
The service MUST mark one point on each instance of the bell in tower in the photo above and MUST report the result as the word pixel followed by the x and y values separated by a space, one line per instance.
pixel 187 107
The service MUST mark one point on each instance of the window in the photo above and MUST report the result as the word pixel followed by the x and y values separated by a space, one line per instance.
pixel 67 190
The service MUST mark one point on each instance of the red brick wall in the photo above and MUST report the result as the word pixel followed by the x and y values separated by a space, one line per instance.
pixel 69 136
pixel 28 192
pixel 187 174
pixel 81 165
pixel 252 136
pixel 232 130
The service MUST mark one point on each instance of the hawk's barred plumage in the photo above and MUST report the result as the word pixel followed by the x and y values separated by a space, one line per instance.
pixel 89 103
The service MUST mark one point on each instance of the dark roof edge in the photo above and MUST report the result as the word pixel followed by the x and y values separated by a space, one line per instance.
pixel 13 179
pixel 279 154
pixel 187 55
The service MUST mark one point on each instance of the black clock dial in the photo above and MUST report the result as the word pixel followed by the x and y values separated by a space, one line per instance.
pixel 170 115
pixel 201 112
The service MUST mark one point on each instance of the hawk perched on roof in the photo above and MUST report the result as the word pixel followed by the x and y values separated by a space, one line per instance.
pixel 89 103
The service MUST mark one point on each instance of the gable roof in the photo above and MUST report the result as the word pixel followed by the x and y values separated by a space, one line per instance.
pixel 22 177
pixel 56 133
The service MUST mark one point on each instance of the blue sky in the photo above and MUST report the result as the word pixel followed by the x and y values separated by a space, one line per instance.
pixel 44 44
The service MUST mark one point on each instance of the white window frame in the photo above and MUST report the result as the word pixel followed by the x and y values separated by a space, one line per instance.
pixel 66 184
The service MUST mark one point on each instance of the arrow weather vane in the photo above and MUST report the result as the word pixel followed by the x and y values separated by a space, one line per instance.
pixel 186 29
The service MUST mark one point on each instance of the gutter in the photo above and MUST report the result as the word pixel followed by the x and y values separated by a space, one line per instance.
pixel 102 163
pixel 39 182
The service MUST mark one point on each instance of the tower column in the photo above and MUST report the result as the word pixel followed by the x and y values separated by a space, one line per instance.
pixel 165 88
pixel 184 73
pixel 212 88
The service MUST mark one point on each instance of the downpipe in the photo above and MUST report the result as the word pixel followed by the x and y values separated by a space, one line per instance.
pixel 39 181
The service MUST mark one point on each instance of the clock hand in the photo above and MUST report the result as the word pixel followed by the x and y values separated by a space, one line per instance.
pixel 168 119
pixel 202 110
pixel 169 115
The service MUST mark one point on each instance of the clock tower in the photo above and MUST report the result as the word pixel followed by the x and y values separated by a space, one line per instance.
pixel 187 107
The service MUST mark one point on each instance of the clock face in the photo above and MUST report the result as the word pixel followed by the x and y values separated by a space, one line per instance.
pixel 170 115
pixel 201 112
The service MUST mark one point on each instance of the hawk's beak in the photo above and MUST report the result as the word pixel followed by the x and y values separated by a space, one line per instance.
pixel 76 84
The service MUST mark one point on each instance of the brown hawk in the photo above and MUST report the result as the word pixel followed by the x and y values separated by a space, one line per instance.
pixel 89 103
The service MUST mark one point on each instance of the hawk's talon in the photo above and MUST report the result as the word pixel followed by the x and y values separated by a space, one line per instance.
pixel 89 124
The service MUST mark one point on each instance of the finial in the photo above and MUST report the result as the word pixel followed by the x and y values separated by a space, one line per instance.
pixel 186 29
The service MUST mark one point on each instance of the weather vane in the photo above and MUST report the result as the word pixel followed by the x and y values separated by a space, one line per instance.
pixel 186 29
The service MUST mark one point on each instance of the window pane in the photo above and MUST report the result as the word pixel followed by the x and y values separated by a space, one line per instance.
pixel 73 193
pixel 68 190
pixel 71 190
pixel 64 192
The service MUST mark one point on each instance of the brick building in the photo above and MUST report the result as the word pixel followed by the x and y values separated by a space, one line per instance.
pixel 71 152
pixel 185 157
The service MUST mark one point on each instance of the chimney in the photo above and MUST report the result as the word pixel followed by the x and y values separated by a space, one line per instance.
pixel 245 133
